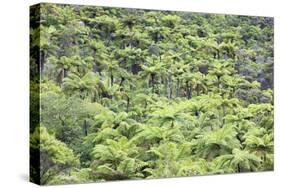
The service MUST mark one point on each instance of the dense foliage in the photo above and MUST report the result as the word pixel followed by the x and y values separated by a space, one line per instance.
pixel 130 94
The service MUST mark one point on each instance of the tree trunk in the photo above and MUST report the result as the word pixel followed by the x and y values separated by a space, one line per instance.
pixel 111 79
pixel 171 87
pixel 189 91
pixel 60 77
pixel 65 72
pixel 218 77
pixel 128 104
pixel 198 90
pixel 223 112
pixel 85 127
pixel 178 88
pixel 152 82
pixel 238 168
pixel 121 82
pixel 165 87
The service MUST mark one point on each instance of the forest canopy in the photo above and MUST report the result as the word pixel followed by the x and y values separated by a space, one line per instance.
pixel 120 94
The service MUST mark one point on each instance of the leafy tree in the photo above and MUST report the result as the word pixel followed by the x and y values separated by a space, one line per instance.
pixel 262 147
pixel 238 161
pixel 218 142
pixel 115 160
pixel 87 86
pixel 55 157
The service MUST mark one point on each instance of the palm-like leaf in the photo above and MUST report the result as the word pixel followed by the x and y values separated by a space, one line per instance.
pixel 238 161
pixel 217 142
pixel 88 85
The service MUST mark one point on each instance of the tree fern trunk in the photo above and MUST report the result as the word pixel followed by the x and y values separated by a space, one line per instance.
pixel 170 87
pixel 60 77
pixel 152 82
pixel 111 79
pixel 64 72
pixel 85 127
pixel 128 104
pixel 178 87
pixel 189 91
pixel 238 168
pixel 165 87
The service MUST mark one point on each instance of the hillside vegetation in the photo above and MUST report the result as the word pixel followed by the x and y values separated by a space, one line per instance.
pixel 137 94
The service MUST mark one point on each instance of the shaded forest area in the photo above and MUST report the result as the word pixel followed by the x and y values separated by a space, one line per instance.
pixel 132 94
